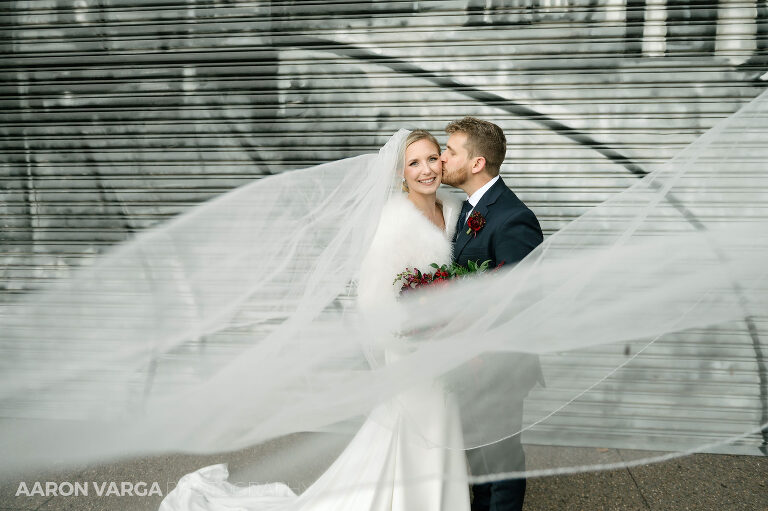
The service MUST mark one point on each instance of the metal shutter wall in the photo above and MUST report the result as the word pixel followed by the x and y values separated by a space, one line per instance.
pixel 117 114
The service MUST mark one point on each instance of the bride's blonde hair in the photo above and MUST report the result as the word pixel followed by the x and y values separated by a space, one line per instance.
pixel 415 136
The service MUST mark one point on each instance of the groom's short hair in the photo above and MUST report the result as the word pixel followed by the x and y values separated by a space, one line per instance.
pixel 483 139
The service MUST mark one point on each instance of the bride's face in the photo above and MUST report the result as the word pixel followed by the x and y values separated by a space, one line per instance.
pixel 423 168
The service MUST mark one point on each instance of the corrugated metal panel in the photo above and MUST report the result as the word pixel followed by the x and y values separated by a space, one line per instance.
pixel 117 114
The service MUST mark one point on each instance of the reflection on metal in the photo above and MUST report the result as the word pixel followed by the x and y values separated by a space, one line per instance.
pixel 476 94
pixel 655 29
pixel 736 30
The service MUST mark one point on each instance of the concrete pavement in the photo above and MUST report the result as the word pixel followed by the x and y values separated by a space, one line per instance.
pixel 693 483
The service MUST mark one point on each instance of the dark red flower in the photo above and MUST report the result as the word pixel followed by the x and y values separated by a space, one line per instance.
pixel 475 222
pixel 413 278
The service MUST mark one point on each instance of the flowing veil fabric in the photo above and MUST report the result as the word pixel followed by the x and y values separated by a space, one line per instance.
pixel 236 323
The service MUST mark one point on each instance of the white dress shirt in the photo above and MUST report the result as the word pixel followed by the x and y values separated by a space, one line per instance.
pixel 475 197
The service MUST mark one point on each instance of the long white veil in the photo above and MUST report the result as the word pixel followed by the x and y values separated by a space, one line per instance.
pixel 236 322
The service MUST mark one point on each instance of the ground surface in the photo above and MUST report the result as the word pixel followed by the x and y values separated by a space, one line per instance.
pixel 698 482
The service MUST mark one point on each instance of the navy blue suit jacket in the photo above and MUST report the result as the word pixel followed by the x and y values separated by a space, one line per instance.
pixel 511 231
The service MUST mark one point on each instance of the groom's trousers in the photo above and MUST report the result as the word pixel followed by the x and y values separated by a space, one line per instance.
pixel 504 495
pixel 499 496
pixel 512 377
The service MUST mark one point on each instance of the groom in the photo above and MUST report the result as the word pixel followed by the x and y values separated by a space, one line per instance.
pixel 471 161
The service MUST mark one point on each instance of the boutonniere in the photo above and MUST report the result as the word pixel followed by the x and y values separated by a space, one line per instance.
pixel 475 222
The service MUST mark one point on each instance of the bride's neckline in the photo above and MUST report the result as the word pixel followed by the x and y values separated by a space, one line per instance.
pixel 440 208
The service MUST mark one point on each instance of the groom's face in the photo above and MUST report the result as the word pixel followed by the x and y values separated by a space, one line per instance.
pixel 456 162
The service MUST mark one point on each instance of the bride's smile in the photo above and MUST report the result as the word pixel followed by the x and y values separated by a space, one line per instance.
pixel 423 168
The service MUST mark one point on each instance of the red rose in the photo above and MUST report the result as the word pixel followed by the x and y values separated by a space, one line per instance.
pixel 475 222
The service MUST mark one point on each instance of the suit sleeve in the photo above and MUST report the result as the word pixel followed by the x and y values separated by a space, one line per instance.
pixel 517 237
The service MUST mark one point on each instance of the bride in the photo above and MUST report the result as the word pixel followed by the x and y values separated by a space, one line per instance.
pixel 408 454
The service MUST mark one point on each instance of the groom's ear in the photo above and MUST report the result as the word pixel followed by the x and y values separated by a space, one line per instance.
pixel 478 165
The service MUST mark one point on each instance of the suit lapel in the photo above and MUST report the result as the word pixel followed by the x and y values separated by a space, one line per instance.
pixel 462 238
pixel 459 227
pixel 488 198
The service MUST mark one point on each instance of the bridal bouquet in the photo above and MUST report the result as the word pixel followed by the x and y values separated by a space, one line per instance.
pixel 413 278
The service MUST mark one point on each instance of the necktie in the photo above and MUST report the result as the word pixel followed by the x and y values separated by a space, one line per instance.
pixel 465 209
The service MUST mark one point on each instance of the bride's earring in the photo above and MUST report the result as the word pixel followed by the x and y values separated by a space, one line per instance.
pixel 405 186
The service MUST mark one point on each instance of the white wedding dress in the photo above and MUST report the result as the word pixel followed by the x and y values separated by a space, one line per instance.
pixel 408 453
